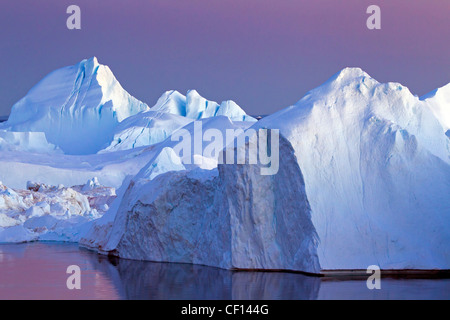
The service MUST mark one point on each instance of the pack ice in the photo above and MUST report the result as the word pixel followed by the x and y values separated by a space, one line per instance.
pixel 43 212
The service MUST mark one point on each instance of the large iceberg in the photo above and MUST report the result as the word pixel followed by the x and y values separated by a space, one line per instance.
pixel 77 107
pixel 230 217
pixel 376 168
pixel 376 165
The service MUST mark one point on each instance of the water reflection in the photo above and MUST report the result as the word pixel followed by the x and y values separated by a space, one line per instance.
pixel 147 280
pixel 38 271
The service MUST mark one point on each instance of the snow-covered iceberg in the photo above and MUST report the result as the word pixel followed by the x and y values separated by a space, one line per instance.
pixel 77 107
pixel 83 109
pixel 194 106
pixel 377 172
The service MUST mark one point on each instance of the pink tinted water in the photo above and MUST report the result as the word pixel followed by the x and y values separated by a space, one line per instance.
pixel 38 271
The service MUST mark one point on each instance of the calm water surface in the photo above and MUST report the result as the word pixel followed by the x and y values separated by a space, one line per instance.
pixel 38 271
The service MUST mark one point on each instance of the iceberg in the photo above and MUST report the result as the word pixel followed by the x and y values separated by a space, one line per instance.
pixel 363 166
pixel 363 179
pixel 77 107
pixel 229 217
pixel 173 111
pixel 377 172
pixel 83 109
pixel 195 107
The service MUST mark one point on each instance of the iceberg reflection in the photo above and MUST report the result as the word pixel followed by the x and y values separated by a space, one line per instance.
pixel 153 280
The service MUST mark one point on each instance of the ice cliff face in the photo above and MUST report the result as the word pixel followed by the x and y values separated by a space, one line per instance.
pixel 77 107
pixel 230 217
pixel 34 142
pixel 376 164
pixel 439 102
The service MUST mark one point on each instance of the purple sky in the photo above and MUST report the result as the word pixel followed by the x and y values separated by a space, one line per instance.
pixel 264 54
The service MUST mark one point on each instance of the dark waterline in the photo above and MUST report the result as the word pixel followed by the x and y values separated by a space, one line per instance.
pixel 38 271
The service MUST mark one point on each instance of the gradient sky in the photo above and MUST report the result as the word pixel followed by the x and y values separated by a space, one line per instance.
pixel 264 54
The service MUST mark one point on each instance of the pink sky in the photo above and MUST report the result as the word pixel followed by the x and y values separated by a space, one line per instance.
pixel 263 54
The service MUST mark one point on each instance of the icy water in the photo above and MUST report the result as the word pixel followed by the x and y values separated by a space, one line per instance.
pixel 38 271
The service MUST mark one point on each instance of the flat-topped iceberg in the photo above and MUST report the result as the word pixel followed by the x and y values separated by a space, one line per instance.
pixel 230 217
